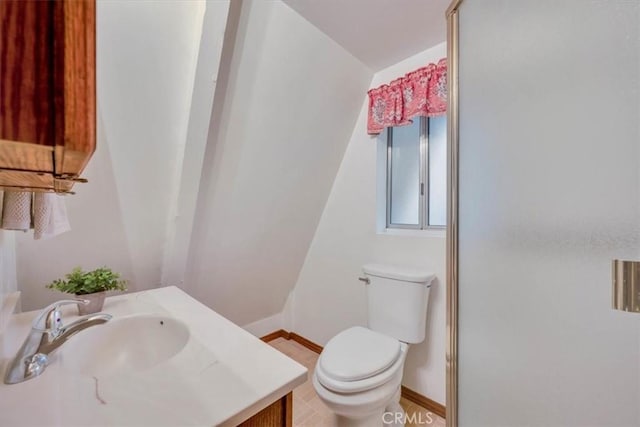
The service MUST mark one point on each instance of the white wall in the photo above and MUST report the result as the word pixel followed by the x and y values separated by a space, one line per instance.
pixel 549 180
pixel 7 264
pixel 146 61
pixel 291 103
pixel 218 31
pixel 8 283
pixel 328 297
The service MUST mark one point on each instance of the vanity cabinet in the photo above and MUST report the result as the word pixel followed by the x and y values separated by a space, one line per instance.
pixel 278 414
pixel 47 93
pixel 210 372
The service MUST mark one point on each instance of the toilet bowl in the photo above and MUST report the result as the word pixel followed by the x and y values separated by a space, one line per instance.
pixel 359 373
pixel 358 376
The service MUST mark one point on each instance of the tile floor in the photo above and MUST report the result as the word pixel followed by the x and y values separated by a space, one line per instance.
pixel 308 410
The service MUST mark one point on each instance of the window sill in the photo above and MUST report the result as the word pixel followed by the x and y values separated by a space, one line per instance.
pixel 407 232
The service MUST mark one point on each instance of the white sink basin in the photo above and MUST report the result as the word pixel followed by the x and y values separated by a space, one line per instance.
pixel 123 345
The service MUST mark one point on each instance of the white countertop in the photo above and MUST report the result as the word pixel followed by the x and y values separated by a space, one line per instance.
pixel 223 376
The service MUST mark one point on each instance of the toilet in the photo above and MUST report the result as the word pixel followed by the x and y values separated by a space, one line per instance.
pixel 359 372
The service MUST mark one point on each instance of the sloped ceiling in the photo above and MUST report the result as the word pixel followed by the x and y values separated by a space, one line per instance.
pixel 378 32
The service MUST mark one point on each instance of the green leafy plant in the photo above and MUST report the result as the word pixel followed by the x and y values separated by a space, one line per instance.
pixel 81 282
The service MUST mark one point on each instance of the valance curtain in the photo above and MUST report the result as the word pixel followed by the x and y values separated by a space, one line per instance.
pixel 422 92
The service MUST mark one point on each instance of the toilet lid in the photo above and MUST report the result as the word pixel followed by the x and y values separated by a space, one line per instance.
pixel 358 353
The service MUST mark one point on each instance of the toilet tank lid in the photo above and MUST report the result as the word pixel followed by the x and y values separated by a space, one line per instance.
pixel 406 274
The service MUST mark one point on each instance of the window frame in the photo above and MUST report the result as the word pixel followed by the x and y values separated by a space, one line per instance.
pixel 423 173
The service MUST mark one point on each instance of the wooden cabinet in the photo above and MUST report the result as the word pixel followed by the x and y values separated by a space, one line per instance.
pixel 47 92
pixel 278 414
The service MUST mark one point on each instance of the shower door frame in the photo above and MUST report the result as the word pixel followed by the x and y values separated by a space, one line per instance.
pixel 452 215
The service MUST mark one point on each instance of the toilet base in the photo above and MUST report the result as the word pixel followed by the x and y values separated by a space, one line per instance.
pixel 394 415
pixel 370 421
pixel 375 407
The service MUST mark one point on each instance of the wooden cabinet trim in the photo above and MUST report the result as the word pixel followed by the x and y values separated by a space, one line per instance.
pixel 25 156
pixel 278 414
pixel 47 91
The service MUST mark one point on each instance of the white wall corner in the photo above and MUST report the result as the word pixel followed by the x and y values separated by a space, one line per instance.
pixel 282 320
pixel 288 321
pixel 265 326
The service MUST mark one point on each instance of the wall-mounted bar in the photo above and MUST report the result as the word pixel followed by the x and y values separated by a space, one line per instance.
pixel 626 285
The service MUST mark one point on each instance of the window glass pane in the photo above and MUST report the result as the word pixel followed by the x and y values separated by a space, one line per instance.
pixel 438 170
pixel 405 174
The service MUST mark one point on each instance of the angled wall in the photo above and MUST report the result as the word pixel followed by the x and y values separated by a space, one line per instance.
pixel 219 28
pixel 292 99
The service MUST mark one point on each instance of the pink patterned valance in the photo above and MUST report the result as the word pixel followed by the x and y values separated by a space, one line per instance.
pixel 422 92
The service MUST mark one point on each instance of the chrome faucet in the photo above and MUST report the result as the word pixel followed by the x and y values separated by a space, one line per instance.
pixel 46 335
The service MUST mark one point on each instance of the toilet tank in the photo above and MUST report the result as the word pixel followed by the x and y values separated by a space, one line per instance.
pixel 397 301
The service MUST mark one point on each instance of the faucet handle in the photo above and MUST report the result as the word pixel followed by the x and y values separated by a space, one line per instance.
pixel 50 319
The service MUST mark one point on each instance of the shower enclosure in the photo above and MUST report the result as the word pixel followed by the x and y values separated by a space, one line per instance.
pixel 544 186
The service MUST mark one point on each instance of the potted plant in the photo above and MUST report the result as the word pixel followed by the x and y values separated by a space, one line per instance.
pixel 89 285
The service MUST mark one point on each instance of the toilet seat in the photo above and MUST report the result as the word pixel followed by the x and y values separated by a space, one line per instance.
pixel 358 353
pixel 359 359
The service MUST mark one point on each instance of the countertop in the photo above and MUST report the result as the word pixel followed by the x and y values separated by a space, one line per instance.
pixel 223 376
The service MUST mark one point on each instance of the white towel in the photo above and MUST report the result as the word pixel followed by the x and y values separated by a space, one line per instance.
pixel 49 215
pixel 16 210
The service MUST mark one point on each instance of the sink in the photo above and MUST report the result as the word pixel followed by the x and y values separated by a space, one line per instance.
pixel 133 343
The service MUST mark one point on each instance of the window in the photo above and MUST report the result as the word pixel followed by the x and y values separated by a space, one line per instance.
pixel 416 174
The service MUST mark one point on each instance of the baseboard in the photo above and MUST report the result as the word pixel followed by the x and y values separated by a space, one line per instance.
pixel 280 333
pixel 424 401
pixel 407 393
pixel 305 342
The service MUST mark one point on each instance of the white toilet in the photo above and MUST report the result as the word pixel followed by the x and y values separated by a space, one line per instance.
pixel 359 372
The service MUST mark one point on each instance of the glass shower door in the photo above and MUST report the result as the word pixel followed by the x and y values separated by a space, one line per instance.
pixel 549 194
